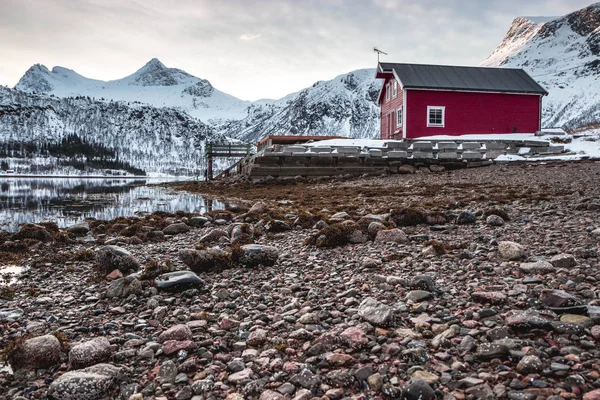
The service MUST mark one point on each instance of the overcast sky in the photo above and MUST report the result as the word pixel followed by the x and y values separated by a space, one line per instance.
pixel 249 48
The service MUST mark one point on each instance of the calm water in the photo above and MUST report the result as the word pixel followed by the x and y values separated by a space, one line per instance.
pixel 67 201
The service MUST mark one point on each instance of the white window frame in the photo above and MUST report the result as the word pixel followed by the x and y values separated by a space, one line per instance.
pixel 399 116
pixel 387 92
pixel 441 108
pixel 394 89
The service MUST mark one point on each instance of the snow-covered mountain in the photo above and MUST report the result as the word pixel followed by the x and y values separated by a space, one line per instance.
pixel 563 55
pixel 344 106
pixel 154 139
pixel 153 84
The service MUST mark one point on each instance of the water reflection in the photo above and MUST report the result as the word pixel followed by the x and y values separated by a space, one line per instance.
pixel 69 201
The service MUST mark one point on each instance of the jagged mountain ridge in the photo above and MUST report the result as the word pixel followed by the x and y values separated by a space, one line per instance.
pixel 154 139
pixel 344 106
pixel 563 55
pixel 153 84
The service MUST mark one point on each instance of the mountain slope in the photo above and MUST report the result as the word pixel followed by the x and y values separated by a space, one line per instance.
pixel 563 55
pixel 345 106
pixel 154 139
pixel 153 84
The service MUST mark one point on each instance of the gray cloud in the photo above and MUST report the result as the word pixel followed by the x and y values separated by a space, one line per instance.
pixel 249 48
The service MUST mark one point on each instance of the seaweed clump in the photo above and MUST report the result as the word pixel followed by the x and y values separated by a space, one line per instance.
pixel 409 217
pixel 333 235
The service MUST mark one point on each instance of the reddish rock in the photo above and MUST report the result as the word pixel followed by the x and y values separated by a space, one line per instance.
pixel 339 359
pixel 173 346
pixel 489 297
pixel 116 274
pixel 177 332
pixel 89 353
pixel 354 337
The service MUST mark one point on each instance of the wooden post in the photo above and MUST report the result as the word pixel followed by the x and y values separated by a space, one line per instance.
pixel 209 172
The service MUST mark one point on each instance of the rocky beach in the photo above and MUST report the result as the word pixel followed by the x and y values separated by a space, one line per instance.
pixel 469 284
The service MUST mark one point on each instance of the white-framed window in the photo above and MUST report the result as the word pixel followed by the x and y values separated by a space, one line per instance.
pixel 387 92
pixel 436 116
pixel 399 116
pixel 394 89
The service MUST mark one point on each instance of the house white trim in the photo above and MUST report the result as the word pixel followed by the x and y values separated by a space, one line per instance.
pixel 436 108
pixel 403 114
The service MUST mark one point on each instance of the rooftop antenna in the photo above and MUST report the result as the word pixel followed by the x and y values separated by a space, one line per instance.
pixel 376 50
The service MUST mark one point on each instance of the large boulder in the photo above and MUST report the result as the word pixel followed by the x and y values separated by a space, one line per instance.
pixel 115 257
pixel 510 250
pixel 38 352
pixel 92 383
pixel 178 280
pixel 176 228
pixel 391 235
pixel 258 254
pixel 88 353
pixel 79 229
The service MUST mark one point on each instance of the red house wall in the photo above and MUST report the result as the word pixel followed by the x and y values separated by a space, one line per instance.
pixel 387 109
pixel 472 113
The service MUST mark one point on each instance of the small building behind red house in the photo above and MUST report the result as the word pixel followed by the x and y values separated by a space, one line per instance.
pixel 420 100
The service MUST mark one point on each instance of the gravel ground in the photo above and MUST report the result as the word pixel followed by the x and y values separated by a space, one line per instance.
pixel 478 283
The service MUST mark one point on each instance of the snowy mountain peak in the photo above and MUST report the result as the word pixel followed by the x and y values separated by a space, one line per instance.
pixel 563 55
pixel 155 73
pixel 35 80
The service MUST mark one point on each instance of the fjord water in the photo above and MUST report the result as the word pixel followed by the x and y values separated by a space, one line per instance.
pixel 68 201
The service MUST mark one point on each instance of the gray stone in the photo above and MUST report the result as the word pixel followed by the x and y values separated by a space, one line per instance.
pixel 115 257
pixel 538 267
pixel 241 376
pixel 494 220
pixel 391 235
pixel 526 320
pixel 92 383
pixel 167 372
pixel 418 389
pixel 488 351
pixel 376 312
pixel 418 295
pixel 257 254
pixel 176 228
pixel 198 221
pixel 510 250
pixel 563 261
pixel 123 287
pixel 466 217
pixel 305 378
pixel 530 365
pixel 375 227
pixel 203 386
pixel 88 353
pixel 177 281
pixel 79 229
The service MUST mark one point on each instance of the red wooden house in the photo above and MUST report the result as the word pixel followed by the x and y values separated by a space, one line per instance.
pixel 424 100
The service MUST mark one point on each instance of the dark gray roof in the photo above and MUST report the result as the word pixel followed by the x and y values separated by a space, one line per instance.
pixel 447 77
